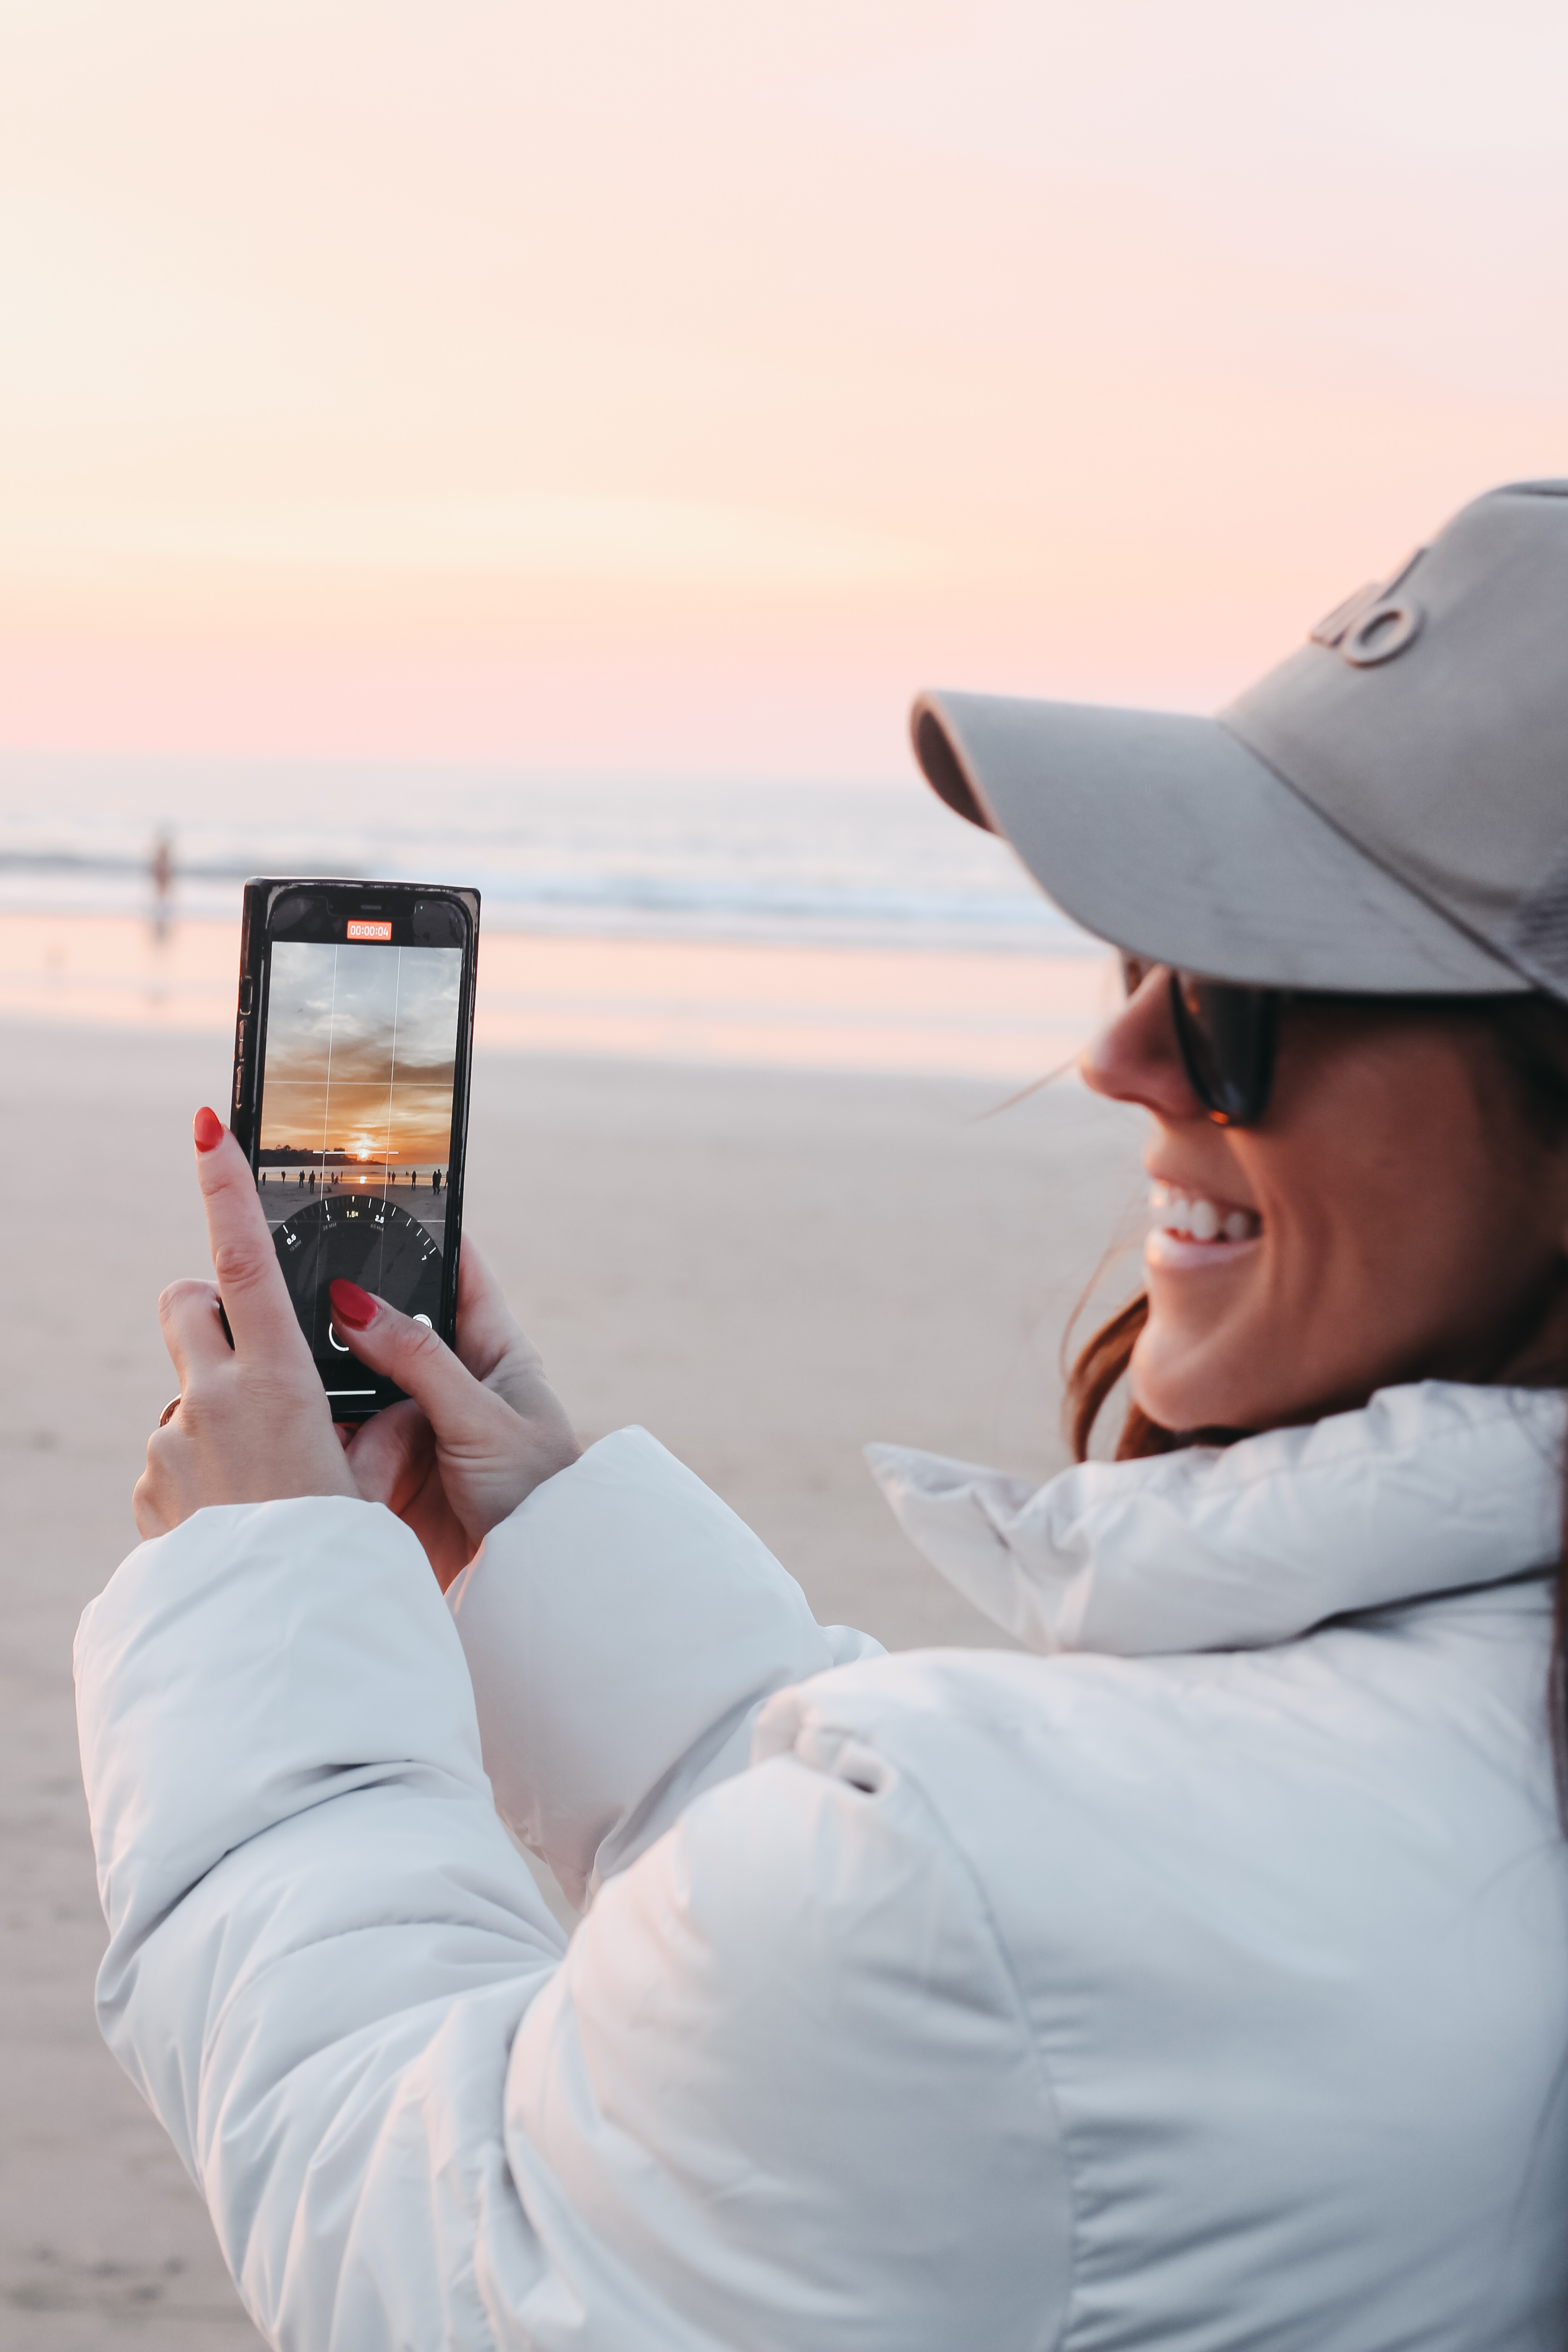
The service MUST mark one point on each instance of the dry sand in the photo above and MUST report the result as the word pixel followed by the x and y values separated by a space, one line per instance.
pixel 767 1268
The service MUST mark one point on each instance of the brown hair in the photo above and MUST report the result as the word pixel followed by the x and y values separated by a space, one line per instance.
pixel 1532 1034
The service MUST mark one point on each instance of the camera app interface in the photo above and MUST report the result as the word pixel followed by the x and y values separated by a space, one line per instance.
pixel 358 1076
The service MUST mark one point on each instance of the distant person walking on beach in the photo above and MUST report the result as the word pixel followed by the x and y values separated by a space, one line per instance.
pixel 1192 1973
pixel 435 1180
pixel 161 875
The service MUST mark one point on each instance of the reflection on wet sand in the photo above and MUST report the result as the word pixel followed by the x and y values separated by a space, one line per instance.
pixel 1003 1014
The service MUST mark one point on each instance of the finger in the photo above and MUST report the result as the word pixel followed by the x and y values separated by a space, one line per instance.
pixel 152 1498
pixel 150 1520
pixel 256 1298
pixel 391 1453
pixel 488 1330
pixel 496 1349
pixel 188 1312
pixel 409 1353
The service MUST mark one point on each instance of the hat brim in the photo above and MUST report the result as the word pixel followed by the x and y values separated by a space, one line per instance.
pixel 1163 835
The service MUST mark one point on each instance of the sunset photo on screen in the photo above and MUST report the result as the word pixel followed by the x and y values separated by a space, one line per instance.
pixel 360 1060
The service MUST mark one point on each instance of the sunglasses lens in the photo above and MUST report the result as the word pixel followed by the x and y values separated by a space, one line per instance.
pixel 1227 1036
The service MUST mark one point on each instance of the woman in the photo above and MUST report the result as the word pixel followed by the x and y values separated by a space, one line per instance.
pixel 1202 1981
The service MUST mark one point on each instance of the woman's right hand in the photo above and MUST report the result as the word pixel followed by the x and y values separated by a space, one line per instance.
pixel 483 1428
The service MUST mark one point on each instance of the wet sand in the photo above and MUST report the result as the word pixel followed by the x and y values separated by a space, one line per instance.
pixel 767 1268
pixel 990 1014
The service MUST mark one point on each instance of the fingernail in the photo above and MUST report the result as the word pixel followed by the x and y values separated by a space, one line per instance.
pixel 350 1305
pixel 208 1128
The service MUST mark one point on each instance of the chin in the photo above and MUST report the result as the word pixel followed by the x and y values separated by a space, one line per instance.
pixel 1170 1381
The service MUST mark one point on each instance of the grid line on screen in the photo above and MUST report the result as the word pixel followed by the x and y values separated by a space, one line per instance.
pixel 391 1090
pixel 327 1090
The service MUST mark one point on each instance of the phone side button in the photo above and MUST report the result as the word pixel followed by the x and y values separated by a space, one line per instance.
pixel 240 1085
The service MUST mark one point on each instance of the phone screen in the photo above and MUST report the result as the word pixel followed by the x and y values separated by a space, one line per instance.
pixel 358 1104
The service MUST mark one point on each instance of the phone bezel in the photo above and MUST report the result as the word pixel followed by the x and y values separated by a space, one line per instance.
pixel 346 900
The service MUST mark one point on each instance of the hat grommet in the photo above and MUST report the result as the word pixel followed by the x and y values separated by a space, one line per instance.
pixel 1382 633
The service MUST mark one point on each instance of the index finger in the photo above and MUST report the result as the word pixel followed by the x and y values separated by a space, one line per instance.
pixel 261 1317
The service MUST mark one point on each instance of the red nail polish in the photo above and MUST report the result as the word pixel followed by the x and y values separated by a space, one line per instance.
pixel 350 1305
pixel 208 1128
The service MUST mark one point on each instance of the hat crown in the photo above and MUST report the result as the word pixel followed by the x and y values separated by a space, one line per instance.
pixel 1428 720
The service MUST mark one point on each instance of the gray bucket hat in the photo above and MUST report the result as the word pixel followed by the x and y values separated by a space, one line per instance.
pixel 1386 812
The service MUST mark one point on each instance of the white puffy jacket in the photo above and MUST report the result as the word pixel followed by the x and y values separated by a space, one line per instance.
pixel 1202 1982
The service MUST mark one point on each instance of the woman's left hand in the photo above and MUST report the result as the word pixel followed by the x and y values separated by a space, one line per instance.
pixel 254 1424
pixel 481 1428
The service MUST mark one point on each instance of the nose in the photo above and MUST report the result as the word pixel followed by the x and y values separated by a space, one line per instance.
pixel 1136 1058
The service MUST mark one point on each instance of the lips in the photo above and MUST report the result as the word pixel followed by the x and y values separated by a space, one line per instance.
pixel 1191 1230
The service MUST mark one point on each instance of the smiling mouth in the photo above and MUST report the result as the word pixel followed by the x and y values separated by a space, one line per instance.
pixel 1189 1229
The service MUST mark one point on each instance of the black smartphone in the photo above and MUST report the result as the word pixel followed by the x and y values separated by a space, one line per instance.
pixel 351 1054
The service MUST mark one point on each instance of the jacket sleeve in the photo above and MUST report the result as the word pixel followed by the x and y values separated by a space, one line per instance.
pixel 416 2120
pixel 623 1628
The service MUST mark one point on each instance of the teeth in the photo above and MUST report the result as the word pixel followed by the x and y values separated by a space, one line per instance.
pixel 1200 1220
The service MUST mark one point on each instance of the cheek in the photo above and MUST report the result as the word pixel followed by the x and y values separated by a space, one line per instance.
pixel 1255 1345
pixel 1374 1267
pixel 1235 1346
pixel 1368 1223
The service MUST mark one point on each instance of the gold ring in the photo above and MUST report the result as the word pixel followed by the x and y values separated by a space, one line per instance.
pixel 170 1410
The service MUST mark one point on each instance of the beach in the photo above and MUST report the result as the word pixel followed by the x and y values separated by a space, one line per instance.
pixel 705 483
pixel 766 1264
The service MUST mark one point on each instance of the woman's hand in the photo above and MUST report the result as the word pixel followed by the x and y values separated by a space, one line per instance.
pixel 254 1424
pixel 484 1427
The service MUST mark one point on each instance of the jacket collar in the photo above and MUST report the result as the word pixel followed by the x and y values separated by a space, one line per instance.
pixel 1425 1490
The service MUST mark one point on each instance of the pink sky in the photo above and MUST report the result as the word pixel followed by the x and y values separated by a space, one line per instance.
pixel 681 387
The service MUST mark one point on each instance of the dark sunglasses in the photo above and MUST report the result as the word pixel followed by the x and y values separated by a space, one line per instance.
pixel 1226 1034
